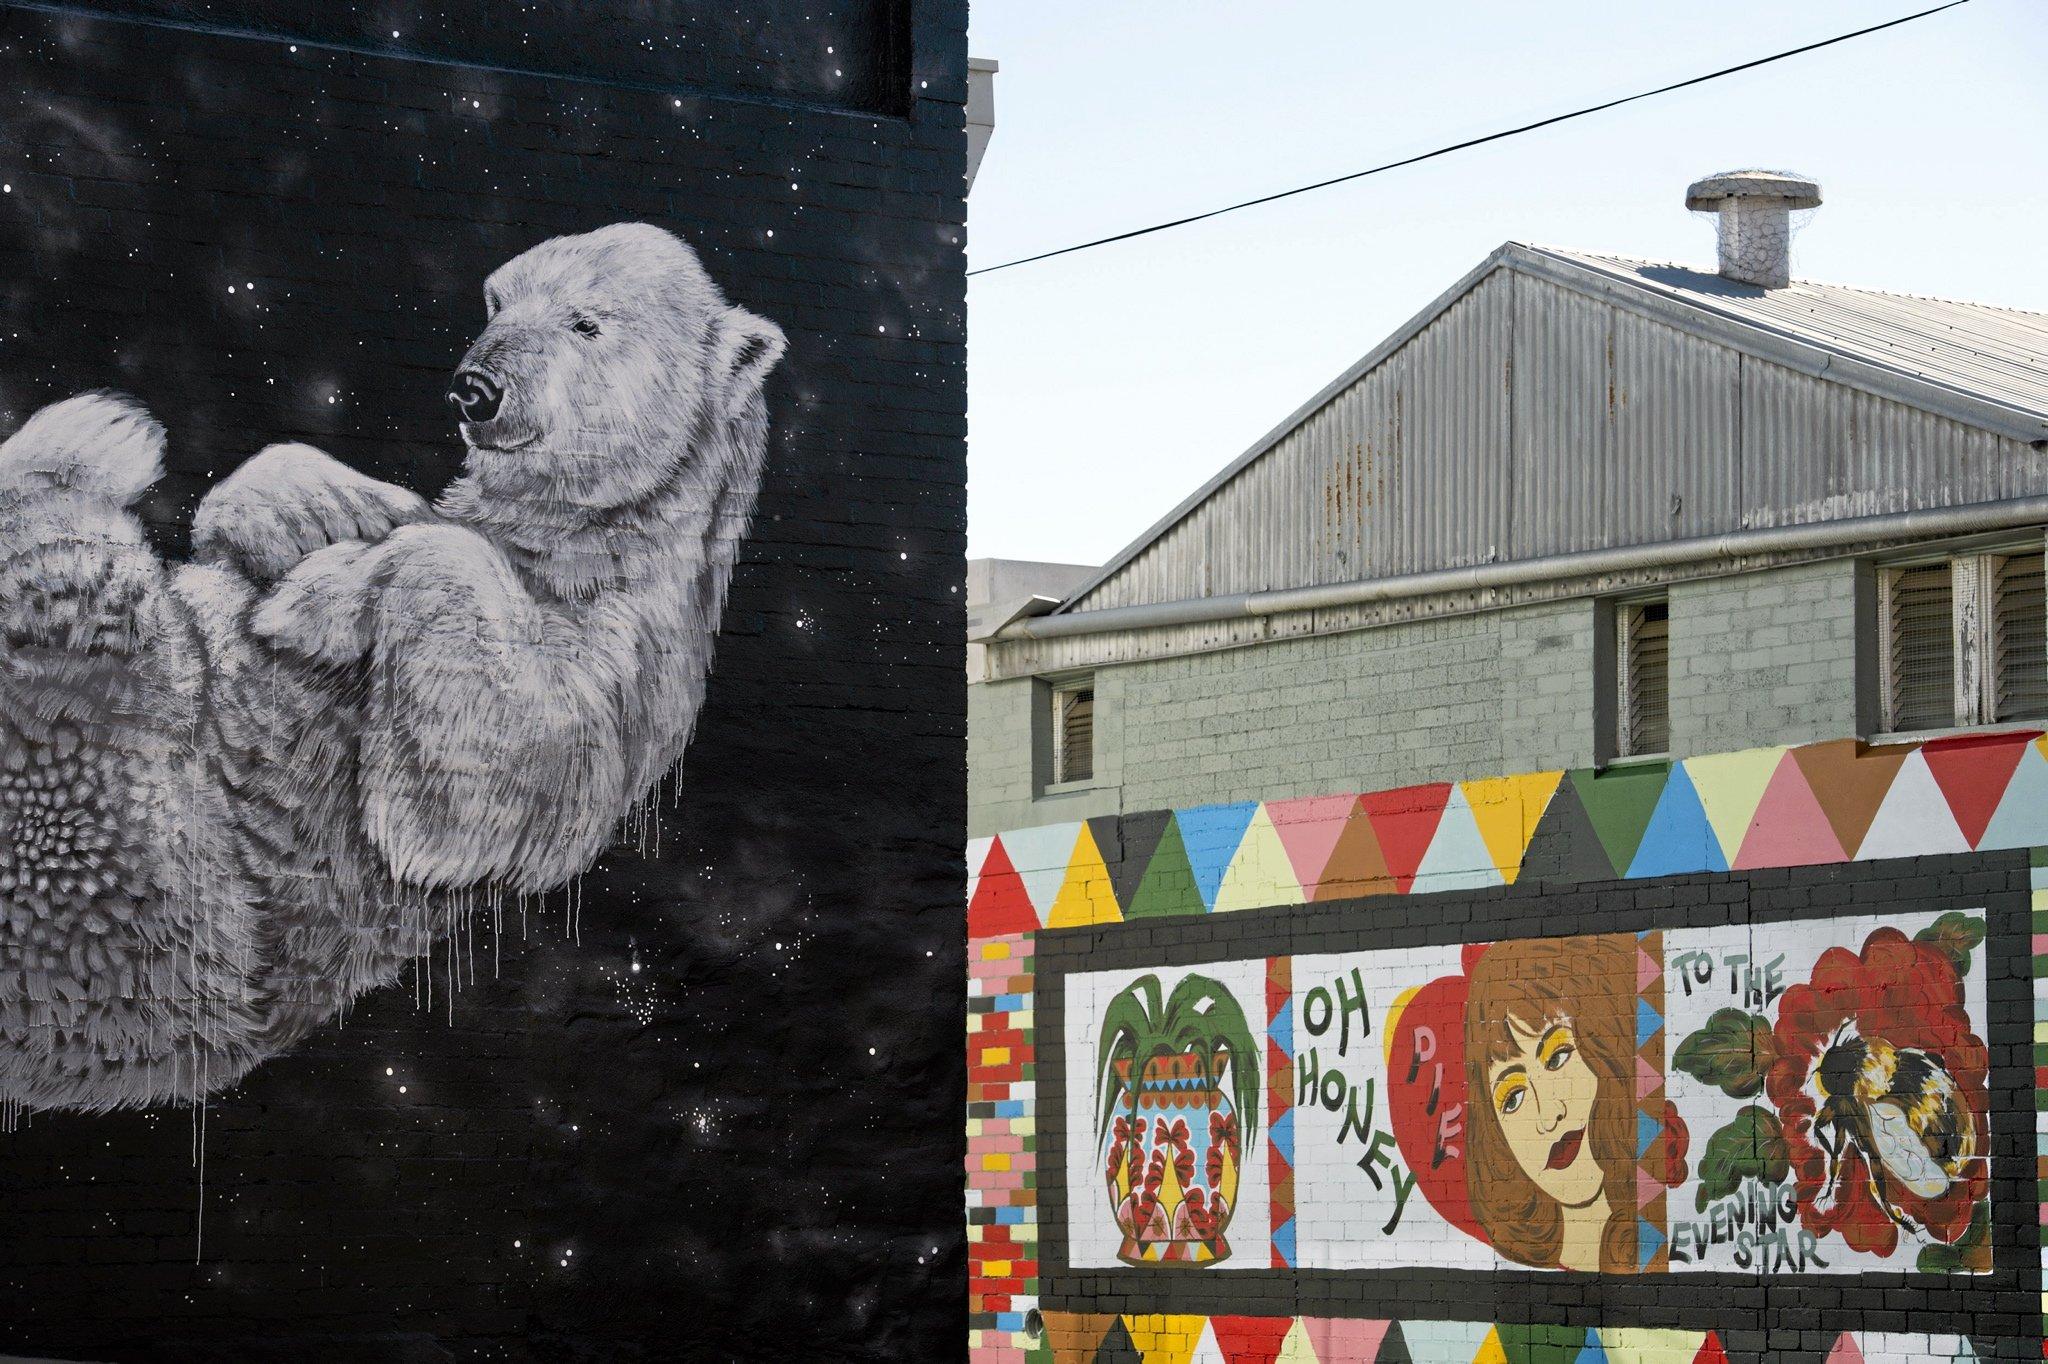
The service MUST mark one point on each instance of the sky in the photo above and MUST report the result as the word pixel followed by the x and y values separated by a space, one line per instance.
pixel 1105 386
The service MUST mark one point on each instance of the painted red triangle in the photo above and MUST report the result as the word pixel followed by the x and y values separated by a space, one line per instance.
pixel 1251 1340
pixel 1972 771
pixel 1846 1350
pixel 1404 821
pixel 1000 905
pixel 1710 1351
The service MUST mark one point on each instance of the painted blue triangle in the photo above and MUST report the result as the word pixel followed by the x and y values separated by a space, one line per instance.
pixel 1647 1129
pixel 1281 1134
pixel 1648 1241
pixel 1592 1352
pixel 1211 833
pixel 1678 838
pixel 1281 1029
pixel 1648 1020
pixel 1283 1241
pixel 2021 819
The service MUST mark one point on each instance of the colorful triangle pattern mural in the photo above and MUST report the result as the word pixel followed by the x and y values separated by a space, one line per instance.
pixel 1813 804
pixel 1077 1338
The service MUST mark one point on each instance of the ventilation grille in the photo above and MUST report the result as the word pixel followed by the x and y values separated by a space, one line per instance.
pixel 1074 733
pixel 1645 658
pixel 1920 635
pixel 2020 621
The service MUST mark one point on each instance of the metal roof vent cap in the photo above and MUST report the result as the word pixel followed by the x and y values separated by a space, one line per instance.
pixel 1755 208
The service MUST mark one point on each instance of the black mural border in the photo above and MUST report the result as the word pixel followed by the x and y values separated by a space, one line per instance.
pixel 1785 1316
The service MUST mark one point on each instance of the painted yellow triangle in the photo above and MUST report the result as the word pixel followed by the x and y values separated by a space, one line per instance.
pixel 1086 896
pixel 1730 786
pixel 1260 873
pixel 1491 1351
pixel 1507 811
pixel 1166 1340
pixel 1296 1347
pixel 1635 1345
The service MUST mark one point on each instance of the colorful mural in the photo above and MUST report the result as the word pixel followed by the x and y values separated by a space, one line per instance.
pixel 1096 1338
pixel 1849 1137
pixel 1511 1104
pixel 1177 1084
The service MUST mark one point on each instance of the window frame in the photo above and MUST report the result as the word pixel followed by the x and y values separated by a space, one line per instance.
pixel 1049 733
pixel 1620 740
pixel 1976 646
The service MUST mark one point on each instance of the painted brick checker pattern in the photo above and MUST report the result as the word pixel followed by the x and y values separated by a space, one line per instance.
pixel 1821 803
pixel 1002 1159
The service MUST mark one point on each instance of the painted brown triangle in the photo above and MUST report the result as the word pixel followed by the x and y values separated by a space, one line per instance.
pixel 1075 1336
pixel 1356 865
pixel 1283 1189
pixel 1850 782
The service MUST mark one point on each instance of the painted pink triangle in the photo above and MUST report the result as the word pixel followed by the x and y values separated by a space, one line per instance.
pixel 1789 829
pixel 1648 970
pixel 1846 1351
pixel 1648 1081
pixel 1309 828
pixel 1648 1186
pixel 1345 1338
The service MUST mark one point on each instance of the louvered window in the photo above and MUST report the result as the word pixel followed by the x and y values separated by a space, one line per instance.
pixel 1920 629
pixel 1643 686
pixel 1073 731
pixel 2019 619
pixel 1963 642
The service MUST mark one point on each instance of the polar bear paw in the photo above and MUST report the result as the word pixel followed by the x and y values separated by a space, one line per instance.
pixel 289 501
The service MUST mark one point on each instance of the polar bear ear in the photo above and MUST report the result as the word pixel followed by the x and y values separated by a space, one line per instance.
pixel 743 351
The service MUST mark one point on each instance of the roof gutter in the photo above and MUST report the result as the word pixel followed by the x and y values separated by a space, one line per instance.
pixel 1971 519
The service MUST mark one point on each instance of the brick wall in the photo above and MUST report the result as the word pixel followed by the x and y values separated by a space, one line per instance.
pixel 700 1104
pixel 1765 657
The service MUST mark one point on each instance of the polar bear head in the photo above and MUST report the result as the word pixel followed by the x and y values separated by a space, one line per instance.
pixel 608 359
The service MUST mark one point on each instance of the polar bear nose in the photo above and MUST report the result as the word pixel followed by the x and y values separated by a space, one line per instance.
pixel 475 395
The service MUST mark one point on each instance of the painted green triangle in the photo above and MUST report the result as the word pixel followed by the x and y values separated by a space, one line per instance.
pixel 1534 1344
pixel 1169 884
pixel 1137 836
pixel 1619 802
pixel 1117 1348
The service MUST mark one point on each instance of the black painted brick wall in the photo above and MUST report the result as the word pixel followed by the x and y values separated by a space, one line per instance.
pixel 710 1144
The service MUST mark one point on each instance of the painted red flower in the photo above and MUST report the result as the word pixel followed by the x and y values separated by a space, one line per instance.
pixel 1882 1091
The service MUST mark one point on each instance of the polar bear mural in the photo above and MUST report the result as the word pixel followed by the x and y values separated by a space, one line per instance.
pixel 236 793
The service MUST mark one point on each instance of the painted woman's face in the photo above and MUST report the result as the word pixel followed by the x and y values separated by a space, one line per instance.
pixel 1543 1096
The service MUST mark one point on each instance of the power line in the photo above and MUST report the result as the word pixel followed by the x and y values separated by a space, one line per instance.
pixel 1472 142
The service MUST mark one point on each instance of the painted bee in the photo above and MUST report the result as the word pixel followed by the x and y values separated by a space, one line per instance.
pixel 1902 1111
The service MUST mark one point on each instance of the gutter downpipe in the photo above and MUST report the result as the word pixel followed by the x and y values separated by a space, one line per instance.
pixel 1970 519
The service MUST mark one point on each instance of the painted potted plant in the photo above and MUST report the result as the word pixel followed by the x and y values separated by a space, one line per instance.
pixel 1178 1091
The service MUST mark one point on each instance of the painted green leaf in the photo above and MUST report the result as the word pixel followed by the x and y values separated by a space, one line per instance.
pixel 1956 934
pixel 1971 1254
pixel 1732 1052
pixel 1752 1146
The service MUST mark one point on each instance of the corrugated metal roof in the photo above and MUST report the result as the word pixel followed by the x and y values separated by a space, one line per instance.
pixel 2000 354
pixel 1553 401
